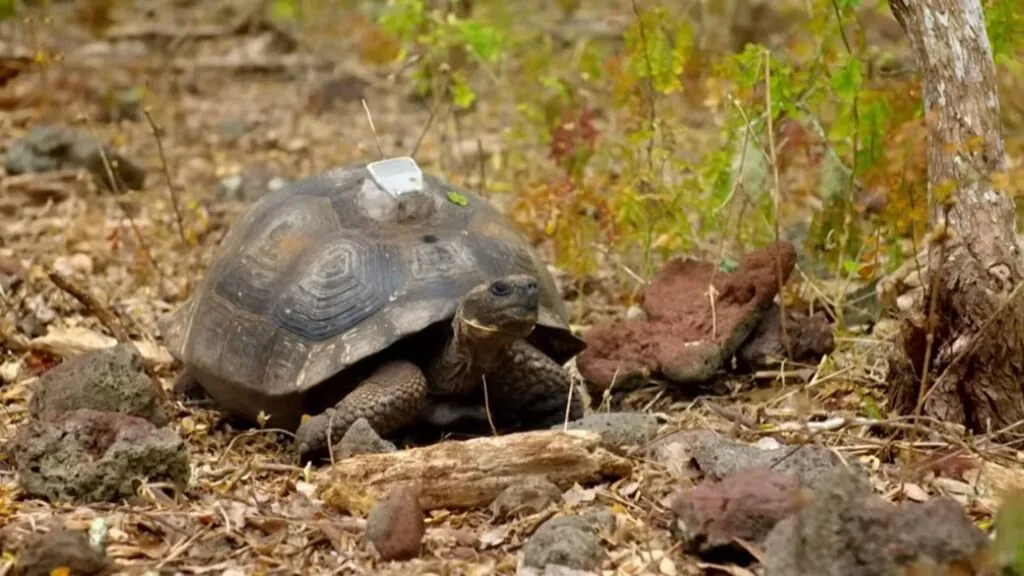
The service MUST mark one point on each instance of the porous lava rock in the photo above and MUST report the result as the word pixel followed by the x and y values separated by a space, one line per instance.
pixel 107 380
pixel 687 338
pixel 844 529
pixel 52 147
pixel 810 338
pixel 711 516
pixel 90 456
pixel 47 554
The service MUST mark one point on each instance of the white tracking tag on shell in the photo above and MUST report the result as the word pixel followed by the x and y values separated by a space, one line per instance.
pixel 397 176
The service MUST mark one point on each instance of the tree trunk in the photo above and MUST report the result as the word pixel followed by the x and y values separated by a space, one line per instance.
pixel 972 312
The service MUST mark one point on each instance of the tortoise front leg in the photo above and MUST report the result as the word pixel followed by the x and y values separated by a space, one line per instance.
pixel 391 397
pixel 531 387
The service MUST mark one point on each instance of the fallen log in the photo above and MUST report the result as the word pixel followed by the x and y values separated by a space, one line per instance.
pixel 470 473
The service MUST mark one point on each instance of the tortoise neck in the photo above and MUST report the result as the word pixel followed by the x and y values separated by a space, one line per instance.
pixel 472 351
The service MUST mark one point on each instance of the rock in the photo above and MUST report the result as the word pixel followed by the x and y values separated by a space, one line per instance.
pixel 567 541
pixel 12 274
pixel 685 339
pixel 529 497
pixel 251 184
pixel 107 380
pixel 810 338
pixel 721 457
pixel 90 456
pixel 744 505
pixel 43 554
pixel 853 532
pixel 341 88
pixel 601 519
pixel 553 570
pixel 395 525
pixel 361 438
pixel 617 429
pixel 48 148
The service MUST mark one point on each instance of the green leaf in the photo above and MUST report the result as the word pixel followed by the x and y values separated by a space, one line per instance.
pixel 462 95
pixel 728 265
pixel 483 41
pixel 284 10
pixel 456 198
pixel 847 80
pixel 8 9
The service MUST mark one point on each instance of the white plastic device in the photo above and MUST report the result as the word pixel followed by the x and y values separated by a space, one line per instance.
pixel 397 176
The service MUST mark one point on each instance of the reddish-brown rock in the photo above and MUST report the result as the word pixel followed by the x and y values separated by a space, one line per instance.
pixel 395 525
pixel 810 338
pixel 745 505
pixel 685 338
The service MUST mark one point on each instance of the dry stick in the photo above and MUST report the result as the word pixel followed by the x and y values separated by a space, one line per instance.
pixel 430 120
pixel 651 112
pixel 102 313
pixel 119 189
pixel 487 407
pixel 775 193
pixel 482 164
pixel 369 118
pixel 167 176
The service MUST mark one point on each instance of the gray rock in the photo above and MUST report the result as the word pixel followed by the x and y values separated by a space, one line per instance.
pixel 617 429
pixel 361 438
pixel 42 554
pixel 567 541
pixel 720 457
pixel 251 184
pixel 528 497
pixel 90 456
pixel 846 530
pixel 47 148
pixel 108 380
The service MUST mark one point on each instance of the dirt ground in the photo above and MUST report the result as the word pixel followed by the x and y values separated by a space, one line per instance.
pixel 225 100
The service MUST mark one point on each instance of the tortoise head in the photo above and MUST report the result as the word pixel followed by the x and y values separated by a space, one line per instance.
pixel 500 310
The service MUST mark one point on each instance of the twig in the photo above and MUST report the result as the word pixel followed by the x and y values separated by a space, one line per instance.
pixel 775 194
pixel 102 313
pixel 651 112
pixel 487 407
pixel 369 118
pixel 167 176
pixel 430 120
pixel 118 190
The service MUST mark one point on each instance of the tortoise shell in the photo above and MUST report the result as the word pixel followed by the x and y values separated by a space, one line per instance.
pixel 326 272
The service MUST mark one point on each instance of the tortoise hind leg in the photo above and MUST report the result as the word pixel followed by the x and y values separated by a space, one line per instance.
pixel 389 398
pixel 531 387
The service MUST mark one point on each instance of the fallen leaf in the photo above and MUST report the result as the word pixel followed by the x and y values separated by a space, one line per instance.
pixel 493 537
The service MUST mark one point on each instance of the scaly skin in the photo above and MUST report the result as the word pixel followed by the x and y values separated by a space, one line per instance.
pixel 529 386
pixel 389 398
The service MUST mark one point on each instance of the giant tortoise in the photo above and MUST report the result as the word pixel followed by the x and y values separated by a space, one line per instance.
pixel 376 291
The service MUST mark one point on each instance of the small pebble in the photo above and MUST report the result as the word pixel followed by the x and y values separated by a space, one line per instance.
pixel 528 497
pixel 395 525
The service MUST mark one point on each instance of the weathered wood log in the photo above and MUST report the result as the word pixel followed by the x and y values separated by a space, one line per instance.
pixel 471 473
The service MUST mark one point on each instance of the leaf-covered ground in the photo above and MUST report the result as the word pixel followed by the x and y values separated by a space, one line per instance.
pixel 286 98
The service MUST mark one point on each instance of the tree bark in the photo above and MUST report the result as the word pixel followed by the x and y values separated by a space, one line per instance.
pixel 972 312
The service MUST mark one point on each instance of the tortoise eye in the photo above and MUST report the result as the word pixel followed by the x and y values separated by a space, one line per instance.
pixel 501 289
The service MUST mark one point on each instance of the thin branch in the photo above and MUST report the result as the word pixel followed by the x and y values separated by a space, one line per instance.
pixel 167 176
pixel 775 197
pixel 369 118
pixel 102 313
